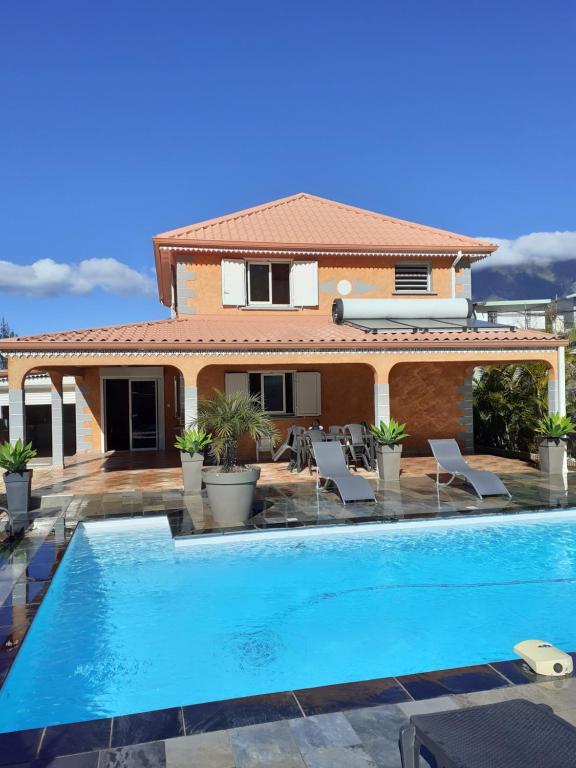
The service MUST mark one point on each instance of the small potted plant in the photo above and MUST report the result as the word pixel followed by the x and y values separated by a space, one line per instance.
pixel 231 485
pixel 14 459
pixel 389 448
pixel 554 430
pixel 192 444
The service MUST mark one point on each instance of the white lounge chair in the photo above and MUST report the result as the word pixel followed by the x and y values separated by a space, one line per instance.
pixel 449 458
pixel 331 467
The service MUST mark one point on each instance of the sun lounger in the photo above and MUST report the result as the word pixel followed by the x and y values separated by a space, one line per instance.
pixel 448 457
pixel 510 734
pixel 331 467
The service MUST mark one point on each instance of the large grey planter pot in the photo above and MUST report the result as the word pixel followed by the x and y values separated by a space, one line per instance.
pixel 388 460
pixel 18 491
pixel 552 456
pixel 230 494
pixel 192 471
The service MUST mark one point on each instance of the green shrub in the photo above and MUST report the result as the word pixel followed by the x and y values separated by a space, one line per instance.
pixel 389 434
pixel 14 458
pixel 555 427
pixel 193 441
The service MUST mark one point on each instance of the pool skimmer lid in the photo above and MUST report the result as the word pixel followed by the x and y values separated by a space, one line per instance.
pixel 544 659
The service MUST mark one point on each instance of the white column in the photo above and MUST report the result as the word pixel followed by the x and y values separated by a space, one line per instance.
pixel 190 405
pixel 57 422
pixel 16 414
pixel 381 403
pixel 561 382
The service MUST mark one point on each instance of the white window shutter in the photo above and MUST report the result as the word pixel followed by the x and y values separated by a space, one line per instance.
pixel 308 401
pixel 305 283
pixel 236 382
pixel 234 282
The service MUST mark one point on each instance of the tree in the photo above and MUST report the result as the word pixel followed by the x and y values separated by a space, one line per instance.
pixel 5 333
pixel 508 403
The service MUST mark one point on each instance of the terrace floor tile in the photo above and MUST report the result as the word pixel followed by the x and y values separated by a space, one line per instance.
pixel 147 726
pixel 151 755
pixel 77 737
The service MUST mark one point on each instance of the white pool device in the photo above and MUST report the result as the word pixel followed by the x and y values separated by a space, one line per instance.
pixel 544 659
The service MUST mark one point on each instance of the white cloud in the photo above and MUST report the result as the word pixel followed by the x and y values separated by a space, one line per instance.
pixel 538 249
pixel 47 277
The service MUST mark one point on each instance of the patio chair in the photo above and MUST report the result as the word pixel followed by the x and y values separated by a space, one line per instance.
pixel 448 457
pixel 264 444
pixel 291 444
pixel 331 467
pixel 310 438
pixel 511 734
pixel 336 429
pixel 358 446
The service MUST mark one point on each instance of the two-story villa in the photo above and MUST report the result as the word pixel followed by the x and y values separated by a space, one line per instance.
pixel 251 297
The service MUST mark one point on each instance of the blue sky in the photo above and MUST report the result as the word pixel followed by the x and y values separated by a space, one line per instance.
pixel 123 119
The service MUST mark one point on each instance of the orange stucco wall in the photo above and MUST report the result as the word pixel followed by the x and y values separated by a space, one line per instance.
pixel 347 394
pixel 92 417
pixel 370 278
pixel 428 397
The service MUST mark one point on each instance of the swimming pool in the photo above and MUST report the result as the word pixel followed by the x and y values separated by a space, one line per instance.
pixel 134 621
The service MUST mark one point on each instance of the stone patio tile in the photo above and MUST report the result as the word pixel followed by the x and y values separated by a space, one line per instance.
pixel 529 691
pixel 379 730
pixel 427 706
pixel 385 752
pixel 206 750
pixel 265 746
pixel 339 757
pixel 567 714
pixel 332 730
pixel 377 722
pixel 151 755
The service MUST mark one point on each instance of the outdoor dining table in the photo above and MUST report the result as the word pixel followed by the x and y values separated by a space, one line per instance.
pixel 300 446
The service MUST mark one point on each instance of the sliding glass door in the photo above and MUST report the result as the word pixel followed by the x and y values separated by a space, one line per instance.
pixel 131 414
pixel 143 413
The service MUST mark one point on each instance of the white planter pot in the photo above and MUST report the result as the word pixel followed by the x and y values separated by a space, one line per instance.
pixel 231 494
pixel 552 456
pixel 192 471
pixel 388 460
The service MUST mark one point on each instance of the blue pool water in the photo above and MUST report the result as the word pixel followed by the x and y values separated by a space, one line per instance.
pixel 135 622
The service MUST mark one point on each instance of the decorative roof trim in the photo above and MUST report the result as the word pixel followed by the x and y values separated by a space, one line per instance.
pixel 281 352
pixel 287 251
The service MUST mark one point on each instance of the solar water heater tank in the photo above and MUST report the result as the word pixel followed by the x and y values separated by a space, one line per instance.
pixel 544 659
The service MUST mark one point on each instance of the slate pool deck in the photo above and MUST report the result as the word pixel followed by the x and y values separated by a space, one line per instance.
pixel 350 725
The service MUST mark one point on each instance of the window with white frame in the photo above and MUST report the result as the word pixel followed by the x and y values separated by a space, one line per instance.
pixel 275 389
pixel 268 282
pixel 412 277
pixel 282 393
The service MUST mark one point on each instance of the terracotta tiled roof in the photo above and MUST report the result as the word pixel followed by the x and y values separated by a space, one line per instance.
pixel 241 332
pixel 305 219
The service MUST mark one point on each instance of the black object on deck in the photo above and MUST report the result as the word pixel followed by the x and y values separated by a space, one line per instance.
pixel 510 734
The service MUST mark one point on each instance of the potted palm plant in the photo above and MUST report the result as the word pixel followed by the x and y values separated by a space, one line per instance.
pixel 230 485
pixel 14 460
pixel 389 448
pixel 192 443
pixel 554 430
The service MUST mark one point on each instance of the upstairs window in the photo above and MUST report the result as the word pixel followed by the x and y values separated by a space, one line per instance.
pixel 412 277
pixel 268 282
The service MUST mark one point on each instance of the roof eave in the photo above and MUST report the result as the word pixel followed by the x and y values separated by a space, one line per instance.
pixel 484 249
pixel 369 344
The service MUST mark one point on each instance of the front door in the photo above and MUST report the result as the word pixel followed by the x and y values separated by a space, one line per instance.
pixel 131 414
